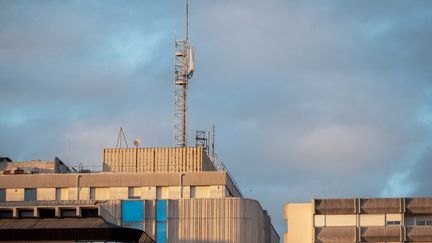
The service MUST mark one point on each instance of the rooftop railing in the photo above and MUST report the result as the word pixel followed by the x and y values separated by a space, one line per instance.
pixel 48 203
pixel 220 166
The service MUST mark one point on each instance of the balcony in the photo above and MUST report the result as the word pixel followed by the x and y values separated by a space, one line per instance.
pixel 380 205
pixel 381 234
pixel 335 206
pixel 335 234
pixel 419 205
pixel 419 233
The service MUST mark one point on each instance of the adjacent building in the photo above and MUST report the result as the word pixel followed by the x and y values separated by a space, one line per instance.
pixel 359 220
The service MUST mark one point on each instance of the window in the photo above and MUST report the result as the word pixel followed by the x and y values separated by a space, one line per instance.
pixel 26 213
pixel 6 213
pixel 99 193
pixel 162 192
pixel 46 213
pixel 68 213
pixel 200 191
pixel 62 193
pixel 393 222
pixel 2 195
pixel 89 212
pixel 134 193
pixel 423 222
pixel 92 193
pixel 30 194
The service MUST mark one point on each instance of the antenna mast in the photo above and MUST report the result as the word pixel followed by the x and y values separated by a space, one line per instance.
pixel 121 138
pixel 184 67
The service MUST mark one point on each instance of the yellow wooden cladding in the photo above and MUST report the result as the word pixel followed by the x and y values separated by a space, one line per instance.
pixel 190 159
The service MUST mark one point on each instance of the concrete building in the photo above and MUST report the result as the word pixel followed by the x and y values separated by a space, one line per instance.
pixel 172 194
pixel 7 166
pixel 359 220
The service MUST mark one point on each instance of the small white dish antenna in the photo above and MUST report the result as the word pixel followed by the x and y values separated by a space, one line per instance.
pixel 137 142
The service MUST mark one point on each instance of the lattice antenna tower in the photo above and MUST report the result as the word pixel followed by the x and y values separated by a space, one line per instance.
pixel 184 66
pixel 121 139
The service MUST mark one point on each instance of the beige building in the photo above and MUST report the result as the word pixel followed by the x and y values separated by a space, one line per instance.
pixel 173 194
pixel 359 220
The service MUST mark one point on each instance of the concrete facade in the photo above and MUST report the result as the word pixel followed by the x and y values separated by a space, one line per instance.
pixel 359 220
pixel 112 186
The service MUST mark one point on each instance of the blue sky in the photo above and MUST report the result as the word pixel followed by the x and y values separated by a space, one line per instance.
pixel 310 98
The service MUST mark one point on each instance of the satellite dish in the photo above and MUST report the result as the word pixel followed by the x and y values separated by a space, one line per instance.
pixel 137 142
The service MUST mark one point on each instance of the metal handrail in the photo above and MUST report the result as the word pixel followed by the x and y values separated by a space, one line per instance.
pixel 48 203
pixel 220 166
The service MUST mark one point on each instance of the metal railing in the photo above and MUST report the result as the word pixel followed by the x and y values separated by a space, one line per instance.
pixel 220 166
pixel 48 203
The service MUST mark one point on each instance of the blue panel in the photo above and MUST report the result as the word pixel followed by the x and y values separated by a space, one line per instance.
pixel 161 234
pixel 161 210
pixel 132 211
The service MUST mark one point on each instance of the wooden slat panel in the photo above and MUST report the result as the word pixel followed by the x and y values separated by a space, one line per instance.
pixel 190 159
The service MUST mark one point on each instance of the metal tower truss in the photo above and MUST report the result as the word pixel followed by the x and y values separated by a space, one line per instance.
pixel 180 92
pixel 183 70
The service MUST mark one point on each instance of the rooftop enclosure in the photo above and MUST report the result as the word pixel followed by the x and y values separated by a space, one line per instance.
pixel 175 159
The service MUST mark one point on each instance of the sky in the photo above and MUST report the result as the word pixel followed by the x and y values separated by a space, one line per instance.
pixel 310 99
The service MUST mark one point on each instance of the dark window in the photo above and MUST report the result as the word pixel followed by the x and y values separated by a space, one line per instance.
pixel 46 213
pixel 393 222
pixel 2 195
pixel 68 213
pixel 423 222
pixel 89 212
pixel 26 213
pixel 134 193
pixel 92 193
pixel 6 214
pixel 30 194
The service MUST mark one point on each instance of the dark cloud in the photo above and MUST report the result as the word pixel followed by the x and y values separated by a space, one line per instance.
pixel 310 98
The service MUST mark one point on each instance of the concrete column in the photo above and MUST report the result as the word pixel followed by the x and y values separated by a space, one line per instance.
pixel 57 212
